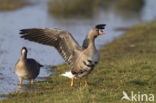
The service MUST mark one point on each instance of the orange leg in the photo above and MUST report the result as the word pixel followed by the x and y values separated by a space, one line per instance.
pixel 85 82
pixel 72 82
pixel 32 82
pixel 20 81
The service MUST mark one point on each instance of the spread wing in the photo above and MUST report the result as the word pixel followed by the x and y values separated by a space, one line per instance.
pixel 60 39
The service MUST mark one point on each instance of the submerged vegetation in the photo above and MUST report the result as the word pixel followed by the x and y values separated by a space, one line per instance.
pixel 127 64
pixel 6 5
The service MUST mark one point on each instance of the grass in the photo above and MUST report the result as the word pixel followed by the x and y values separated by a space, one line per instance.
pixel 130 5
pixel 129 8
pixel 68 8
pixel 87 8
pixel 7 5
pixel 126 64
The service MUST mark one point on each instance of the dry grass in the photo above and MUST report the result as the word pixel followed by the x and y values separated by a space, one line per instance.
pixel 6 5
pixel 68 8
pixel 87 8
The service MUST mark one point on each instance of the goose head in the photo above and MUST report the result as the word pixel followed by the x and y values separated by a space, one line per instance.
pixel 24 51
pixel 98 30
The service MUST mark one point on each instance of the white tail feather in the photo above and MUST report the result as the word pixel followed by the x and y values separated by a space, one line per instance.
pixel 67 74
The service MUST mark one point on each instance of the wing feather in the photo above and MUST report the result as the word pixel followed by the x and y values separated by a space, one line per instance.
pixel 60 39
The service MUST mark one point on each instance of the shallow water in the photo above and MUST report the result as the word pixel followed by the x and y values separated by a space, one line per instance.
pixel 37 16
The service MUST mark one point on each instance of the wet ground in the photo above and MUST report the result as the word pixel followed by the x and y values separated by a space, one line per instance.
pixel 37 16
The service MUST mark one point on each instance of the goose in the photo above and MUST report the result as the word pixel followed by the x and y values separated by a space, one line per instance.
pixel 27 68
pixel 81 60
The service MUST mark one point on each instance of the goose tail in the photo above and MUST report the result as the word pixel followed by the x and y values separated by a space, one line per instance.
pixel 67 74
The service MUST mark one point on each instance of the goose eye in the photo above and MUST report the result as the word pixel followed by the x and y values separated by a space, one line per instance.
pixel 101 30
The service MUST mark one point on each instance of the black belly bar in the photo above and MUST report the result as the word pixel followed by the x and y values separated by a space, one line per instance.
pixel 89 65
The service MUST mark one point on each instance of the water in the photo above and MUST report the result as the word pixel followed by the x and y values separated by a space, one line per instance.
pixel 37 16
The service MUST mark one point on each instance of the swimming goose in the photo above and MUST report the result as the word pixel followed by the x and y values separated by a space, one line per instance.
pixel 81 60
pixel 27 68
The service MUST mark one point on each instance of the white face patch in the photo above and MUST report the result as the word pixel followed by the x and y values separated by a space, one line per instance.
pixel 101 30
pixel 23 51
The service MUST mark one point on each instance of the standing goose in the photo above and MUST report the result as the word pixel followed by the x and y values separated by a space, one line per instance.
pixel 27 68
pixel 81 60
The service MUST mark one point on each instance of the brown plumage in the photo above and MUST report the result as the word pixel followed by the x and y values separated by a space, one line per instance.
pixel 82 60
pixel 27 68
